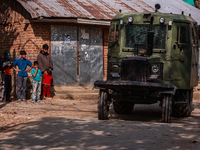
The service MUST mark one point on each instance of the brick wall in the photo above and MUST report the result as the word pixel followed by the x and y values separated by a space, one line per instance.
pixel 17 33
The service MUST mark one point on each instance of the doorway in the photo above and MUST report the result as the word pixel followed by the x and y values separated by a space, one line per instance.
pixel 77 54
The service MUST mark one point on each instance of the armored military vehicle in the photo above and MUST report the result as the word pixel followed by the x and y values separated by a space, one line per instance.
pixel 152 57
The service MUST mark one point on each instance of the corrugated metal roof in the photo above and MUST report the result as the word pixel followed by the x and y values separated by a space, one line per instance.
pixel 103 9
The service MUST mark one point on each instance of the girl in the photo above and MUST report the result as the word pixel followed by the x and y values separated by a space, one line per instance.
pixel 47 84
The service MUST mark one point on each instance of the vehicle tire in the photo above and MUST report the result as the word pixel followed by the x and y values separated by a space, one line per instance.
pixel 183 110
pixel 102 105
pixel 123 107
pixel 166 108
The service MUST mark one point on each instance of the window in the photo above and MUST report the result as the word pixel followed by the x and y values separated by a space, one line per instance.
pixel 194 36
pixel 183 35
pixel 137 35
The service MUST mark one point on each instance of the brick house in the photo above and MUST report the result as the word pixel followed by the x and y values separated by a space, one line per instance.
pixel 76 31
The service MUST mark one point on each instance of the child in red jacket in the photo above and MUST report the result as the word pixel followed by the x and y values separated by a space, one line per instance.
pixel 47 84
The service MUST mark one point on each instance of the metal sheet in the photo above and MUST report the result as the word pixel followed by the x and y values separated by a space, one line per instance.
pixel 103 9
pixel 64 54
pixel 91 55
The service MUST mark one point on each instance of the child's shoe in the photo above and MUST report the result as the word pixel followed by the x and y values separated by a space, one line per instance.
pixel 24 100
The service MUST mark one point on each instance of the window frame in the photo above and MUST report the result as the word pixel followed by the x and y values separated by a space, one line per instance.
pixel 179 32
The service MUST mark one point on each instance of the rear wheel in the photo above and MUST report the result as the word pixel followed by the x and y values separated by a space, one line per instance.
pixel 180 109
pixel 166 108
pixel 123 107
pixel 102 105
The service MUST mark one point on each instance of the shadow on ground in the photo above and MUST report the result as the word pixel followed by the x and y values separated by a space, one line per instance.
pixel 141 112
pixel 62 133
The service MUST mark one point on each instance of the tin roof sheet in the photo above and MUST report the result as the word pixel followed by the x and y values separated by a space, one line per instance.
pixel 103 9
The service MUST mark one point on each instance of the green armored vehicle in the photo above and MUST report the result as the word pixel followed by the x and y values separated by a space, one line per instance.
pixel 152 57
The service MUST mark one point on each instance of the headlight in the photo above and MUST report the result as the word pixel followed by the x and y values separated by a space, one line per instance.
pixel 162 20
pixel 115 67
pixel 130 19
pixel 121 21
pixel 170 23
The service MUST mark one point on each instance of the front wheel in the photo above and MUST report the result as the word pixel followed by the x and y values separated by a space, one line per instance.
pixel 183 110
pixel 102 105
pixel 166 108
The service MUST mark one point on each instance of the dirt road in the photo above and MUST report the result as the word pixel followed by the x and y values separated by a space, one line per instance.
pixel 72 124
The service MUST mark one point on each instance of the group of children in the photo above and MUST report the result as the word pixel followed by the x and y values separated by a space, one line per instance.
pixel 42 81
pixel 37 78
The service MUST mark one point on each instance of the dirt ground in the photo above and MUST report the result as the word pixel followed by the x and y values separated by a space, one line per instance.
pixel 15 113
pixel 73 124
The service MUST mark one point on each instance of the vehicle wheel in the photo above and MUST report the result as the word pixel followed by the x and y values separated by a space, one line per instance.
pixel 102 105
pixel 166 108
pixel 123 107
pixel 183 110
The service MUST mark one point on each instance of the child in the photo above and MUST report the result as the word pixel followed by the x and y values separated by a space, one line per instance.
pixel 22 75
pixel 6 77
pixel 37 76
pixel 47 84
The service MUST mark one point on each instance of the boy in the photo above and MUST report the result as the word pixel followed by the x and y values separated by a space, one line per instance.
pixel 44 59
pixel 6 77
pixel 22 75
pixel 37 76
